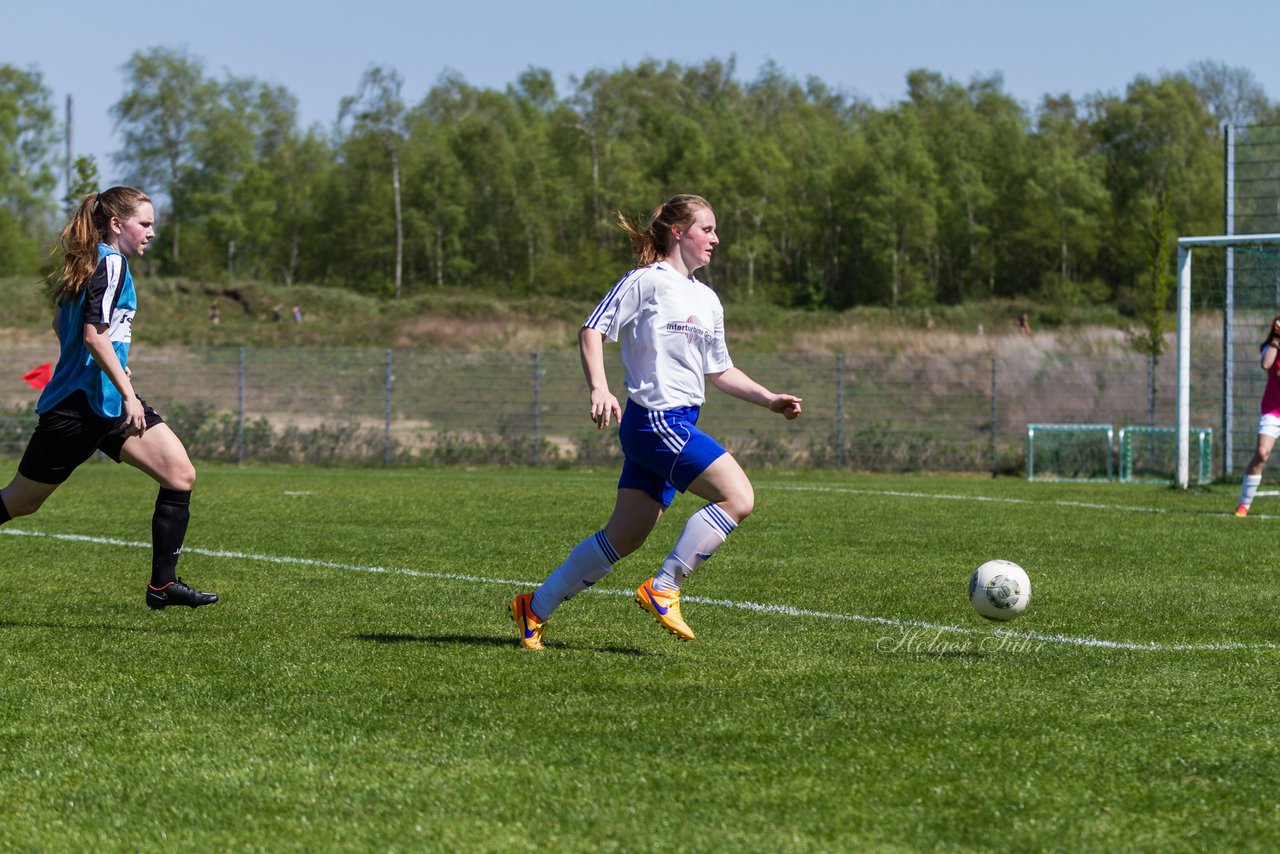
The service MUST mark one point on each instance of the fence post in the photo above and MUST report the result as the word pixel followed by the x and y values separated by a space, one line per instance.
pixel 993 416
pixel 839 410
pixel 240 415
pixel 386 441
pixel 537 402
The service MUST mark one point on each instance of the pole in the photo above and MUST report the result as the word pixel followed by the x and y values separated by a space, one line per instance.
pixel 67 162
pixel 240 416
pixel 386 439
pixel 993 416
pixel 1184 364
pixel 1229 304
pixel 537 402
pixel 839 410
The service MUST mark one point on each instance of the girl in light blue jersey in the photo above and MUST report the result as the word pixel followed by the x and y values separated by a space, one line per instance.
pixel 89 403
pixel 670 327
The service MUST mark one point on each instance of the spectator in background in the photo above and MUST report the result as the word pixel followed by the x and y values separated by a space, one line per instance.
pixel 297 314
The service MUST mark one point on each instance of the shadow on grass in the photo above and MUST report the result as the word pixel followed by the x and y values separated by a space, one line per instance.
pixel 483 640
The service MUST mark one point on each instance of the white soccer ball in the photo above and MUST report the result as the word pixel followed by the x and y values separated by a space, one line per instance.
pixel 999 590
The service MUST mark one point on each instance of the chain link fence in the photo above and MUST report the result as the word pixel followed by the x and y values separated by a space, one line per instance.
pixel 402 407
pixel 1245 281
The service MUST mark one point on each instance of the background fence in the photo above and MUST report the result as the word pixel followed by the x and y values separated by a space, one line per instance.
pixel 396 407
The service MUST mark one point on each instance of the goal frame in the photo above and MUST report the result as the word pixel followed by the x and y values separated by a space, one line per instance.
pixel 1204 438
pixel 1185 247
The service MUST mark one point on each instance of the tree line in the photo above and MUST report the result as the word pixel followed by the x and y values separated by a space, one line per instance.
pixel 955 193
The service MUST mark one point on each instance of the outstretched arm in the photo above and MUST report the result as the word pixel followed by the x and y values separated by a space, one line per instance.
pixel 736 383
pixel 604 405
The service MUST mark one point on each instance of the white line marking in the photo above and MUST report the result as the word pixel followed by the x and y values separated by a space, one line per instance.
pixel 1084 505
pixel 785 610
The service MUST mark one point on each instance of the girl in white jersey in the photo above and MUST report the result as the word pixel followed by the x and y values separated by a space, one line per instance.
pixel 1268 421
pixel 89 404
pixel 671 330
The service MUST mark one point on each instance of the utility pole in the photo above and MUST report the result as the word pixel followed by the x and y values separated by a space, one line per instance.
pixel 67 161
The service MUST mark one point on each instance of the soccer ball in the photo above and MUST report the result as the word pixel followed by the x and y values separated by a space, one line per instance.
pixel 999 590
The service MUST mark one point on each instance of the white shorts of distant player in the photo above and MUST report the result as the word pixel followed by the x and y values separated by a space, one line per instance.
pixel 1269 425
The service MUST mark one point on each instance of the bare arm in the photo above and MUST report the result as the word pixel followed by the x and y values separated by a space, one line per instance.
pixel 98 342
pixel 1268 356
pixel 603 404
pixel 736 383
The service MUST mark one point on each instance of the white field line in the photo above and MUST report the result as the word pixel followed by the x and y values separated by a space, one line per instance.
pixel 941 496
pixel 784 610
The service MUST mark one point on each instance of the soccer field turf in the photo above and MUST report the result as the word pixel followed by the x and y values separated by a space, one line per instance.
pixel 359 685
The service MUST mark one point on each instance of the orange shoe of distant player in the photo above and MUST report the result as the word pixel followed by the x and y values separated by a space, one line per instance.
pixel 528 626
pixel 665 605
pixel 1242 510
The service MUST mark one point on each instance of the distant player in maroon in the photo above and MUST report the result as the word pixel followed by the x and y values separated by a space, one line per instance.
pixel 1268 421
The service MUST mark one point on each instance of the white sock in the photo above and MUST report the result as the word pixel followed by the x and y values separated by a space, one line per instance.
pixel 1249 488
pixel 591 560
pixel 705 532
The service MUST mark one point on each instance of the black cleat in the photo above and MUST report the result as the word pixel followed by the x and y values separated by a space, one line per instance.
pixel 177 593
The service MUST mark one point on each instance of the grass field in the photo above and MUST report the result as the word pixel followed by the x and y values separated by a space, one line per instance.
pixel 359 686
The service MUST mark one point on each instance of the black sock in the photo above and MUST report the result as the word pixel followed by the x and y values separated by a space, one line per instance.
pixel 168 529
pixel 4 513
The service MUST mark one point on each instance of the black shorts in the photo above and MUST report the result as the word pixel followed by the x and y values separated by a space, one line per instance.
pixel 69 433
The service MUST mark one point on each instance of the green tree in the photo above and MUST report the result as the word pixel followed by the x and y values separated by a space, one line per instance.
pixel 1063 205
pixel 377 111
pixel 28 140
pixel 1162 147
pixel 84 180
pixel 167 100
pixel 893 195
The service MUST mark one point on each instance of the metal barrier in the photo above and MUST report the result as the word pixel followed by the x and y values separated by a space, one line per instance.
pixel 404 406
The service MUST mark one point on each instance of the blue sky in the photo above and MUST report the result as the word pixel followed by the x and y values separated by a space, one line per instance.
pixel 319 49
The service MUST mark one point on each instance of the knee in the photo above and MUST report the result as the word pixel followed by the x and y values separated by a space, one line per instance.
pixel 627 541
pixel 181 477
pixel 626 534
pixel 21 506
pixel 740 504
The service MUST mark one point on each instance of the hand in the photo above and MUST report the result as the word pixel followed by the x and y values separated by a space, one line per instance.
pixel 787 405
pixel 135 417
pixel 604 406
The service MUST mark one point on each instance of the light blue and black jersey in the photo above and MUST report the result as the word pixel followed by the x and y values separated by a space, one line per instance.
pixel 108 298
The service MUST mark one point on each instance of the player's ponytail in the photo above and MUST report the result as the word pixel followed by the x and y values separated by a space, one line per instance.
pixel 653 243
pixel 81 235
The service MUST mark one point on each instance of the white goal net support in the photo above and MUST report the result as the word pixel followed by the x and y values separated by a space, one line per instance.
pixel 1147 454
pixel 1225 246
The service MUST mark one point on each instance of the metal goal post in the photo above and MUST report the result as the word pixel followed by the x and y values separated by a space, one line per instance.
pixel 1130 434
pixel 1186 247
pixel 1080 448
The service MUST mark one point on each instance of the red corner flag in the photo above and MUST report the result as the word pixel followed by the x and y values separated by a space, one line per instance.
pixel 39 377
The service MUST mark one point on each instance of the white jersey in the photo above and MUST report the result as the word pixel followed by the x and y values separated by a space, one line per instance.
pixel 671 330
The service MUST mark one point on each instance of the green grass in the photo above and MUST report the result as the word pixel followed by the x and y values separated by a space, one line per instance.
pixel 176 311
pixel 321 707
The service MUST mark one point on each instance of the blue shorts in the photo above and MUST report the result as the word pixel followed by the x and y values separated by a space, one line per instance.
pixel 664 451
